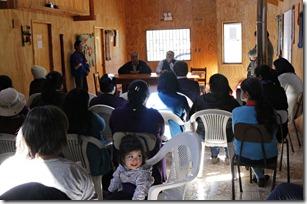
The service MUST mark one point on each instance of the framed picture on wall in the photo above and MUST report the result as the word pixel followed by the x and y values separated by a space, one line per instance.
pixel 88 42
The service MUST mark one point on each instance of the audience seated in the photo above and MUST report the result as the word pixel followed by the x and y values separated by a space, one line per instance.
pixel 274 93
pixel 135 66
pixel 33 191
pixel 287 191
pixel 39 74
pixel 167 98
pixel 107 97
pixel 135 117
pixel 187 86
pixel 52 93
pixel 219 97
pixel 39 141
pixel 84 122
pixel 258 110
pixel 12 110
pixel 291 83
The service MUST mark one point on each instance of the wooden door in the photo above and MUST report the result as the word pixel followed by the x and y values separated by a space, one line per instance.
pixel 42 45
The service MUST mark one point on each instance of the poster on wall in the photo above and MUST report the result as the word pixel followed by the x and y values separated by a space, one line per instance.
pixel 26 35
pixel 88 41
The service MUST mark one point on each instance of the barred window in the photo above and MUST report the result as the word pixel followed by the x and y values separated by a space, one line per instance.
pixel 158 42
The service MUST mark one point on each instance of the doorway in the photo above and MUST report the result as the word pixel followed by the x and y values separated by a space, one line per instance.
pixel 42 45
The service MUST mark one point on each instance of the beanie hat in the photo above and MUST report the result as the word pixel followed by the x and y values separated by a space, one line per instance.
pixel 38 72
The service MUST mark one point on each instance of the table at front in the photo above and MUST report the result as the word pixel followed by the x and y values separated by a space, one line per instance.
pixel 151 79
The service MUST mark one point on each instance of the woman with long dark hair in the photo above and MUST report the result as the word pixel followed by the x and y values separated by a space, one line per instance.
pixel 258 110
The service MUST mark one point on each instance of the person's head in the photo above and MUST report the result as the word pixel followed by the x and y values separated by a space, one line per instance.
pixel 38 72
pixel 76 108
pixel 135 57
pixel 5 82
pixel 131 152
pixel 283 66
pixel 43 131
pixel 54 81
pixel 251 89
pixel 170 55
pixel 219 85
pixel 181 68
pixel 11 102
pixel 264 72
pixel 168 82
pixel 107 83
pixel 138 92
pixel 78 46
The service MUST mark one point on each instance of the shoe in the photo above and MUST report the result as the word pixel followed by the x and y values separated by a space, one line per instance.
pixel 263 181
pixel 215 160
pixel 226 161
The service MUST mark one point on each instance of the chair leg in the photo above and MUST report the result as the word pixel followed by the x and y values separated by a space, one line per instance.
pixel 296 131
pixel 288 162
pixel 200 173
pixel 240 181
pixel 233 178
pixel 291 142
pixel 274 177
pixel 250 175
pixel 281 154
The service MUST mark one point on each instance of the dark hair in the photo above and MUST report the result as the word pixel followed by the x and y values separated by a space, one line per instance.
pixel 265 111
pixel 181 68
pixel 106 83
pixel 219 85
pixel 53 82
pixel 264 71
pixel 167 82
pixel 76 108
pixel 44 130
pixel 77 43
pixel 283 66
pixel 128 144
pixel 5 82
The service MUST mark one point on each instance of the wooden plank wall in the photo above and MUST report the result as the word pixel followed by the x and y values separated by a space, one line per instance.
pixel 130 18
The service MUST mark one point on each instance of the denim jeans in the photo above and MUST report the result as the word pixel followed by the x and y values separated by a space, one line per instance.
pixel 216 150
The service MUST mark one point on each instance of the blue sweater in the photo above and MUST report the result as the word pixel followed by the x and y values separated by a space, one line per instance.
pixel 247 114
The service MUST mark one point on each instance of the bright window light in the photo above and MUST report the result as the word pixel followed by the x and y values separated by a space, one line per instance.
pixel 232 38
pixel 158 42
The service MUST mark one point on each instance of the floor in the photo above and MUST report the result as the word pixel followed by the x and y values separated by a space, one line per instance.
pixel 215 184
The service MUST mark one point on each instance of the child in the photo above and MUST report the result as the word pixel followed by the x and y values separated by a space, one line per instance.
pixel 132 178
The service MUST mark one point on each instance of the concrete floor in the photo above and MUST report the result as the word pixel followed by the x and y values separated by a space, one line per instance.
pixel 215 184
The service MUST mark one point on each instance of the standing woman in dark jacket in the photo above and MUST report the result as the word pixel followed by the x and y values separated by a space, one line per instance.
pixel 219 97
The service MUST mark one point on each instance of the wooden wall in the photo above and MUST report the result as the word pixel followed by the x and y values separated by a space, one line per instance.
pixel 131 18
pixel 17 60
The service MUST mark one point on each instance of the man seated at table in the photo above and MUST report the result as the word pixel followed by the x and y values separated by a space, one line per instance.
pixel 135 66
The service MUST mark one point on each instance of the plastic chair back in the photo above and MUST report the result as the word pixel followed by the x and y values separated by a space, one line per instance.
pixel 76 151
pixel 185 150
pixel 105 112
pixel 7 143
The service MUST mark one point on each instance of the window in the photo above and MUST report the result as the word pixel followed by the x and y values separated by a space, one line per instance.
pixel 158 42
pixel 232 38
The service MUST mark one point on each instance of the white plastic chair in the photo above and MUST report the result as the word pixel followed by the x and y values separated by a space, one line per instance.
pixel 7 143
pixel 76 151
pixel 31 98
pixel 91 96
pixel 167 116
pixel 124 95
pixel 297 111
pixel 215 121
pixel 105 112
pixel 190 102
pixel 185 150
